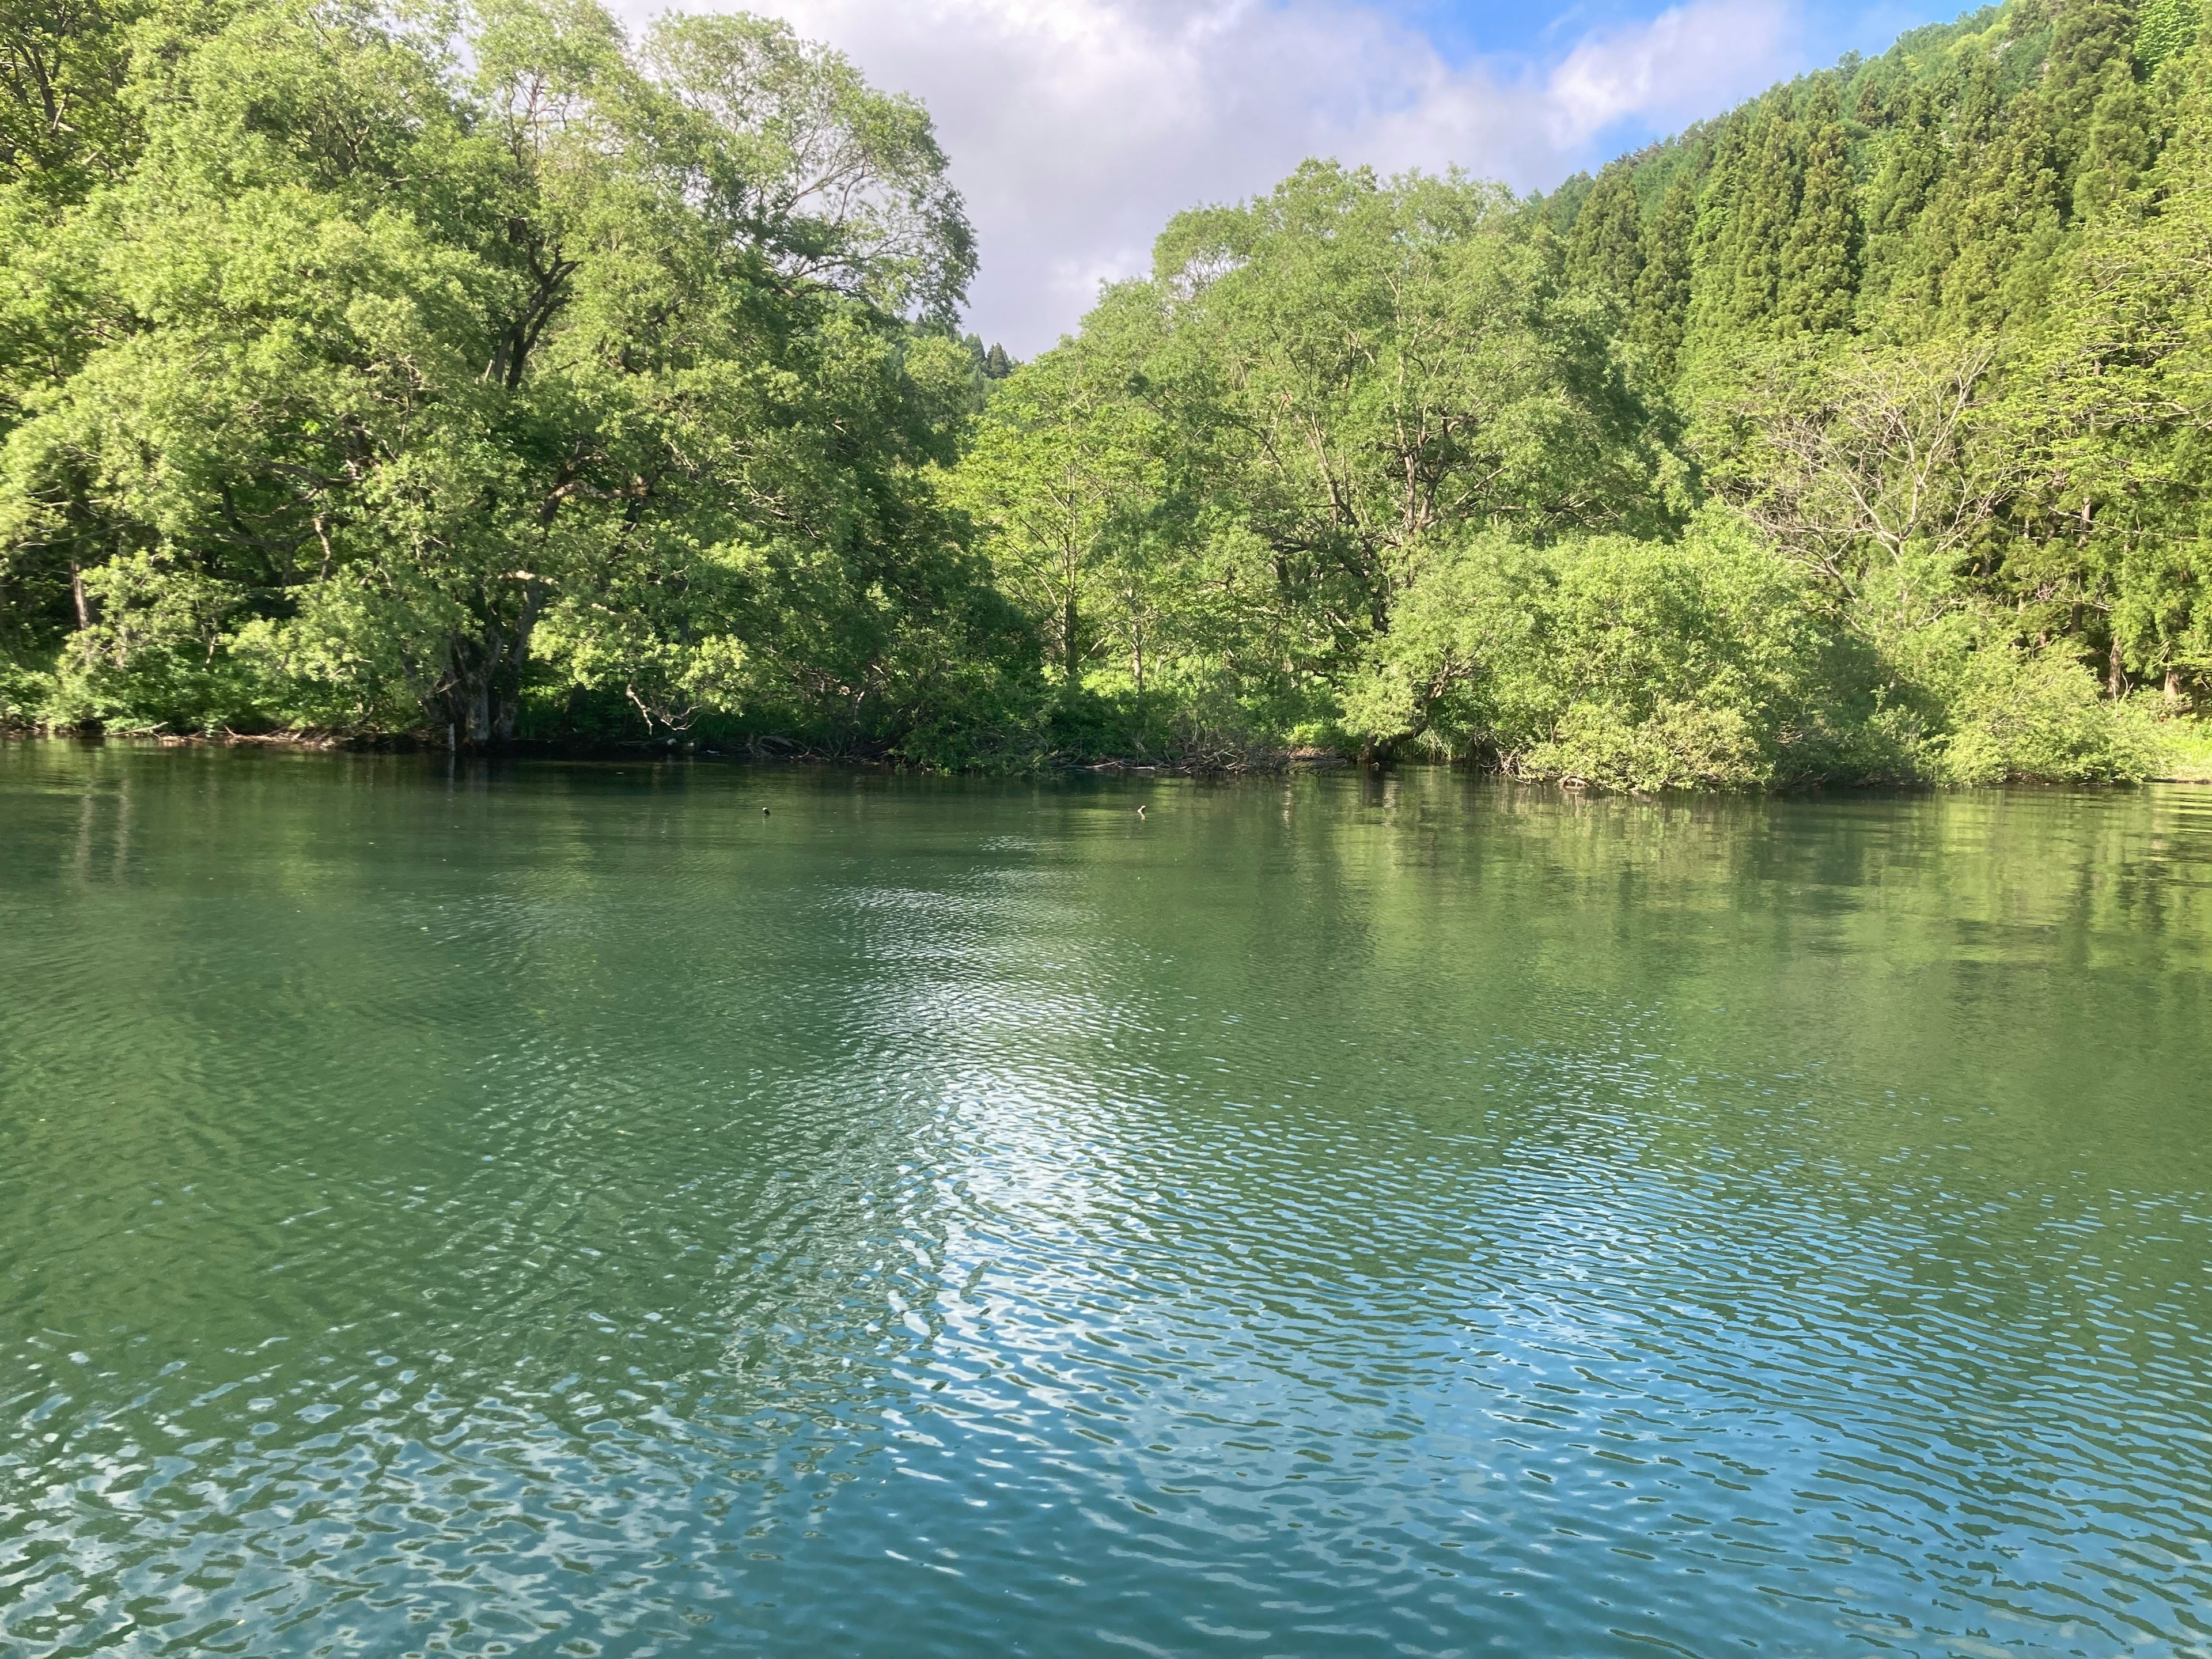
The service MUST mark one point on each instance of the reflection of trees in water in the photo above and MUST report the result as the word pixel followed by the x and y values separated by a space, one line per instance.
pixel 589 1136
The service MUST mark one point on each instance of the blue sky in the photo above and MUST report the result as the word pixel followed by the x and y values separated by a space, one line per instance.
pixel 1537 35
pixel 1077 127
pixel 1464 31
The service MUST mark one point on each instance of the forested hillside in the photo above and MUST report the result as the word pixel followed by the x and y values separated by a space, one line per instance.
pixel 536 382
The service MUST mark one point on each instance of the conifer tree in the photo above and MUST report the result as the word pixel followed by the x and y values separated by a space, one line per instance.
pixel 2163 28
pixel 1981 251
pixel 2009 226
pixel 1605 249
pixel 2130 359
pixel 2098 122
pixel 2085 36
pixel 1711 229
pixel 1767 215
pixel 1912 168
pixel 2121 143
pixel 1744 220
pixel 1879 95
pixel 1818 289
pixel 1662 287
pixel 1916 280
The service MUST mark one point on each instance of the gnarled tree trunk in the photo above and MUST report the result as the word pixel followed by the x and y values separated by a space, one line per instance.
pixel 479 694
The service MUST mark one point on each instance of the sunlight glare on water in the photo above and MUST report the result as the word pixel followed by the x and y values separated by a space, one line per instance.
pixel 556 1209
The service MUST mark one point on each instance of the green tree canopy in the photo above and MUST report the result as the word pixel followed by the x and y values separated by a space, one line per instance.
pixel 399 363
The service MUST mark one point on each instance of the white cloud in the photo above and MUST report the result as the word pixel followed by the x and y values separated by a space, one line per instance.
pixel 1684 64
pixel 1077 127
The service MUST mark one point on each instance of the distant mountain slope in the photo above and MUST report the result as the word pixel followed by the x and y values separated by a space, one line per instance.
pixel 1931 190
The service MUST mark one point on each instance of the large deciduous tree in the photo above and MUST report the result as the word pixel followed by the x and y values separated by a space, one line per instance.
pixel 413 367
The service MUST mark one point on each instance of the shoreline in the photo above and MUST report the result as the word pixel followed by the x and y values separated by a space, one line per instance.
pixel 783 753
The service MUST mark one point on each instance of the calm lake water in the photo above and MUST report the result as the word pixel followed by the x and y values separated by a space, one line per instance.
pixel 557 1210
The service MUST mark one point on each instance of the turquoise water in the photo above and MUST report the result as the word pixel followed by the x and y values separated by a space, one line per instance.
pixel 556 1209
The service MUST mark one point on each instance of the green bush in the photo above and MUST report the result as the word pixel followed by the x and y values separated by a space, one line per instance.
pixel 1619 662
pixel 1998 711
pixel 157 657
pixel 25 692
pixel 2185 746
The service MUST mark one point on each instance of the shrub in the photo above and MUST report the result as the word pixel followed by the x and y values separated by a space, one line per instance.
pixel 156 657
pixel 1630 664
pixel 2001 712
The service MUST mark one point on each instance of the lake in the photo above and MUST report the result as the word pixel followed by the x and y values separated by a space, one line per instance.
pixel 557 1209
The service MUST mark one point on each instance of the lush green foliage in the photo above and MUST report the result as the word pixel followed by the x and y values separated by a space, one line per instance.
pixel 505 376
pixel 1855 434
pixel 395 379
pixel 1630 663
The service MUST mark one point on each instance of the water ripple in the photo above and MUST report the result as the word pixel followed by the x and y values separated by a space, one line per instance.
pixel 558 1211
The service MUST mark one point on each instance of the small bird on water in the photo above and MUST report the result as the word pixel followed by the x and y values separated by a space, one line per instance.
pixel 763 811
pixel 1141 809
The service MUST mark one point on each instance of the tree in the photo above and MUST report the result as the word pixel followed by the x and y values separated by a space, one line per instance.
pixel 1063 471
pixel 1912 168
pixel 2164 29
pixel 2120 142
pixel 1626 663
pixel 2008 218
pixel 1873 472
pixel 1752 207
pixel 1818 288
pixel 417 354
pixel 490 372
pixel 1605 249
pixel 2118 399
pixel 1663 286
pixel 1386 363
pixel 64 122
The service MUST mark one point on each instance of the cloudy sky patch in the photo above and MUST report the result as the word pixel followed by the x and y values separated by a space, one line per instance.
pixel 1077 127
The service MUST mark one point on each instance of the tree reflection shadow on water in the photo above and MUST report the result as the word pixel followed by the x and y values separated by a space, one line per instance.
pixel 553 1208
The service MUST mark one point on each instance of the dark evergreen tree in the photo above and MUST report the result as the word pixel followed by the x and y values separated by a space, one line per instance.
pixel 997 364
pixel 1916 271
pixel 1744 219
pixel 1912 166
pixel 2009 220
pixel 1767 217
pixel 1557 212
pixel 1605 248
pixel 2085 35
pixel 1817 290
pixel 1662 287
pixel 2163 28
pixel 2121 143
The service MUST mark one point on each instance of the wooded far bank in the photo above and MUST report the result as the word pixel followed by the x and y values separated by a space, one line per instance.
pixel 489 375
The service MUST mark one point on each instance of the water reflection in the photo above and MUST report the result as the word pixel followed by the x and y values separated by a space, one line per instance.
pixel 557 1210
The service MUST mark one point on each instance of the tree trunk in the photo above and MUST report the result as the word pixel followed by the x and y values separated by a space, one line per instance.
pixel 76 592
pixel 469 699
pixel 2116 683
pixel 481 694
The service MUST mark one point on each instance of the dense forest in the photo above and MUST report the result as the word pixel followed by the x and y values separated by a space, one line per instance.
pixel 495 376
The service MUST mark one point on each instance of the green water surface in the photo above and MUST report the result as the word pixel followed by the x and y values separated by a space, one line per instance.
pixel 555 1209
